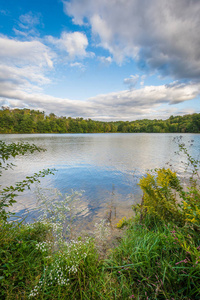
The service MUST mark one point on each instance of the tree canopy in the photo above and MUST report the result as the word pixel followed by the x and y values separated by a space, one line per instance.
pixel 34 121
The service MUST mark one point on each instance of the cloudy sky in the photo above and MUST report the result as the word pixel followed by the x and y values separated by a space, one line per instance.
pixel 100 59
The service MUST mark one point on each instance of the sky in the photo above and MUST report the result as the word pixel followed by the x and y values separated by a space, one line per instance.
pixel 106 60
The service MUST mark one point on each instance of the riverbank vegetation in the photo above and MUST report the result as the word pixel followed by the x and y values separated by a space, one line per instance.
pixel 32 121
pixel 157 257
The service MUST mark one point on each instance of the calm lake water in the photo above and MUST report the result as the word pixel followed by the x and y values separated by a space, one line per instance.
pixel 106 166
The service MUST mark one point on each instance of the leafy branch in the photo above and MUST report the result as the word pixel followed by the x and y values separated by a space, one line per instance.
pixel 12 150
pixel 8 194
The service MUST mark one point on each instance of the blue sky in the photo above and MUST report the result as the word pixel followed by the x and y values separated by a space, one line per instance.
pixel 104 60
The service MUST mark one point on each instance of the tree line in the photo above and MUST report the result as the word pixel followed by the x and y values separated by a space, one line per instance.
pixel 35 121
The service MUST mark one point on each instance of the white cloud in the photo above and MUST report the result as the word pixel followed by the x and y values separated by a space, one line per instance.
pixel 24 53
pixel 100 27
pixel 105 60
pixel 22 75
pixel 146 102
pixel 74 43
pixel 23 66
pixel 19 32
pixel 132 81
pixel 161 35
pixel 27 24
pixel 78 65
pixel 29 19
pixel 150 96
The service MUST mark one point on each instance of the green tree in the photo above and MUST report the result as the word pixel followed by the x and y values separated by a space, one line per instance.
pixel 30 121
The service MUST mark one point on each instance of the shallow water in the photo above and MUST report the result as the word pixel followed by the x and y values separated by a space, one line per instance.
pixel 106 166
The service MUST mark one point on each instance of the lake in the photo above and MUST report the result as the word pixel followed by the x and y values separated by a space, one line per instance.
pixel 107 167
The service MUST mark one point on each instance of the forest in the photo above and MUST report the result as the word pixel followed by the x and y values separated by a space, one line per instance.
pixel 35 121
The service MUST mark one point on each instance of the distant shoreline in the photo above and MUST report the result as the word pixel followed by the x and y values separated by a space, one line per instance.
pixel 26 121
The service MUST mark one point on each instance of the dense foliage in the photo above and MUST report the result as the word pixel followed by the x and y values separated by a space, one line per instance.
pixel 31 121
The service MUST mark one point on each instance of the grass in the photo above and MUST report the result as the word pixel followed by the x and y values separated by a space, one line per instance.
pixel 20 261
pixel 160 262
pixel 150 262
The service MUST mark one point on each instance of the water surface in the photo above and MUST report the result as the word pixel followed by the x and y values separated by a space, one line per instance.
pixel 106 166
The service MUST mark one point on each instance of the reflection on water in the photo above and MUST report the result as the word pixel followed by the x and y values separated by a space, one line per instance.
pixel 106 166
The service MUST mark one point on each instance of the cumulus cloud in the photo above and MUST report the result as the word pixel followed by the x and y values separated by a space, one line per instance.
pixel 13 51
pixel 23 66
pixel 160 35
pixel 146 102
pixel 150 95
pixel 74 43
pixel 24 76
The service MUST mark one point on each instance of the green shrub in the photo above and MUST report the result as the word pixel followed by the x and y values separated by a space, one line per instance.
pixel 165 198
pixel 159 195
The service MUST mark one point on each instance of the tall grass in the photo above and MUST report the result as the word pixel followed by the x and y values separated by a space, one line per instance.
pixel 159 262
pixel 150 262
